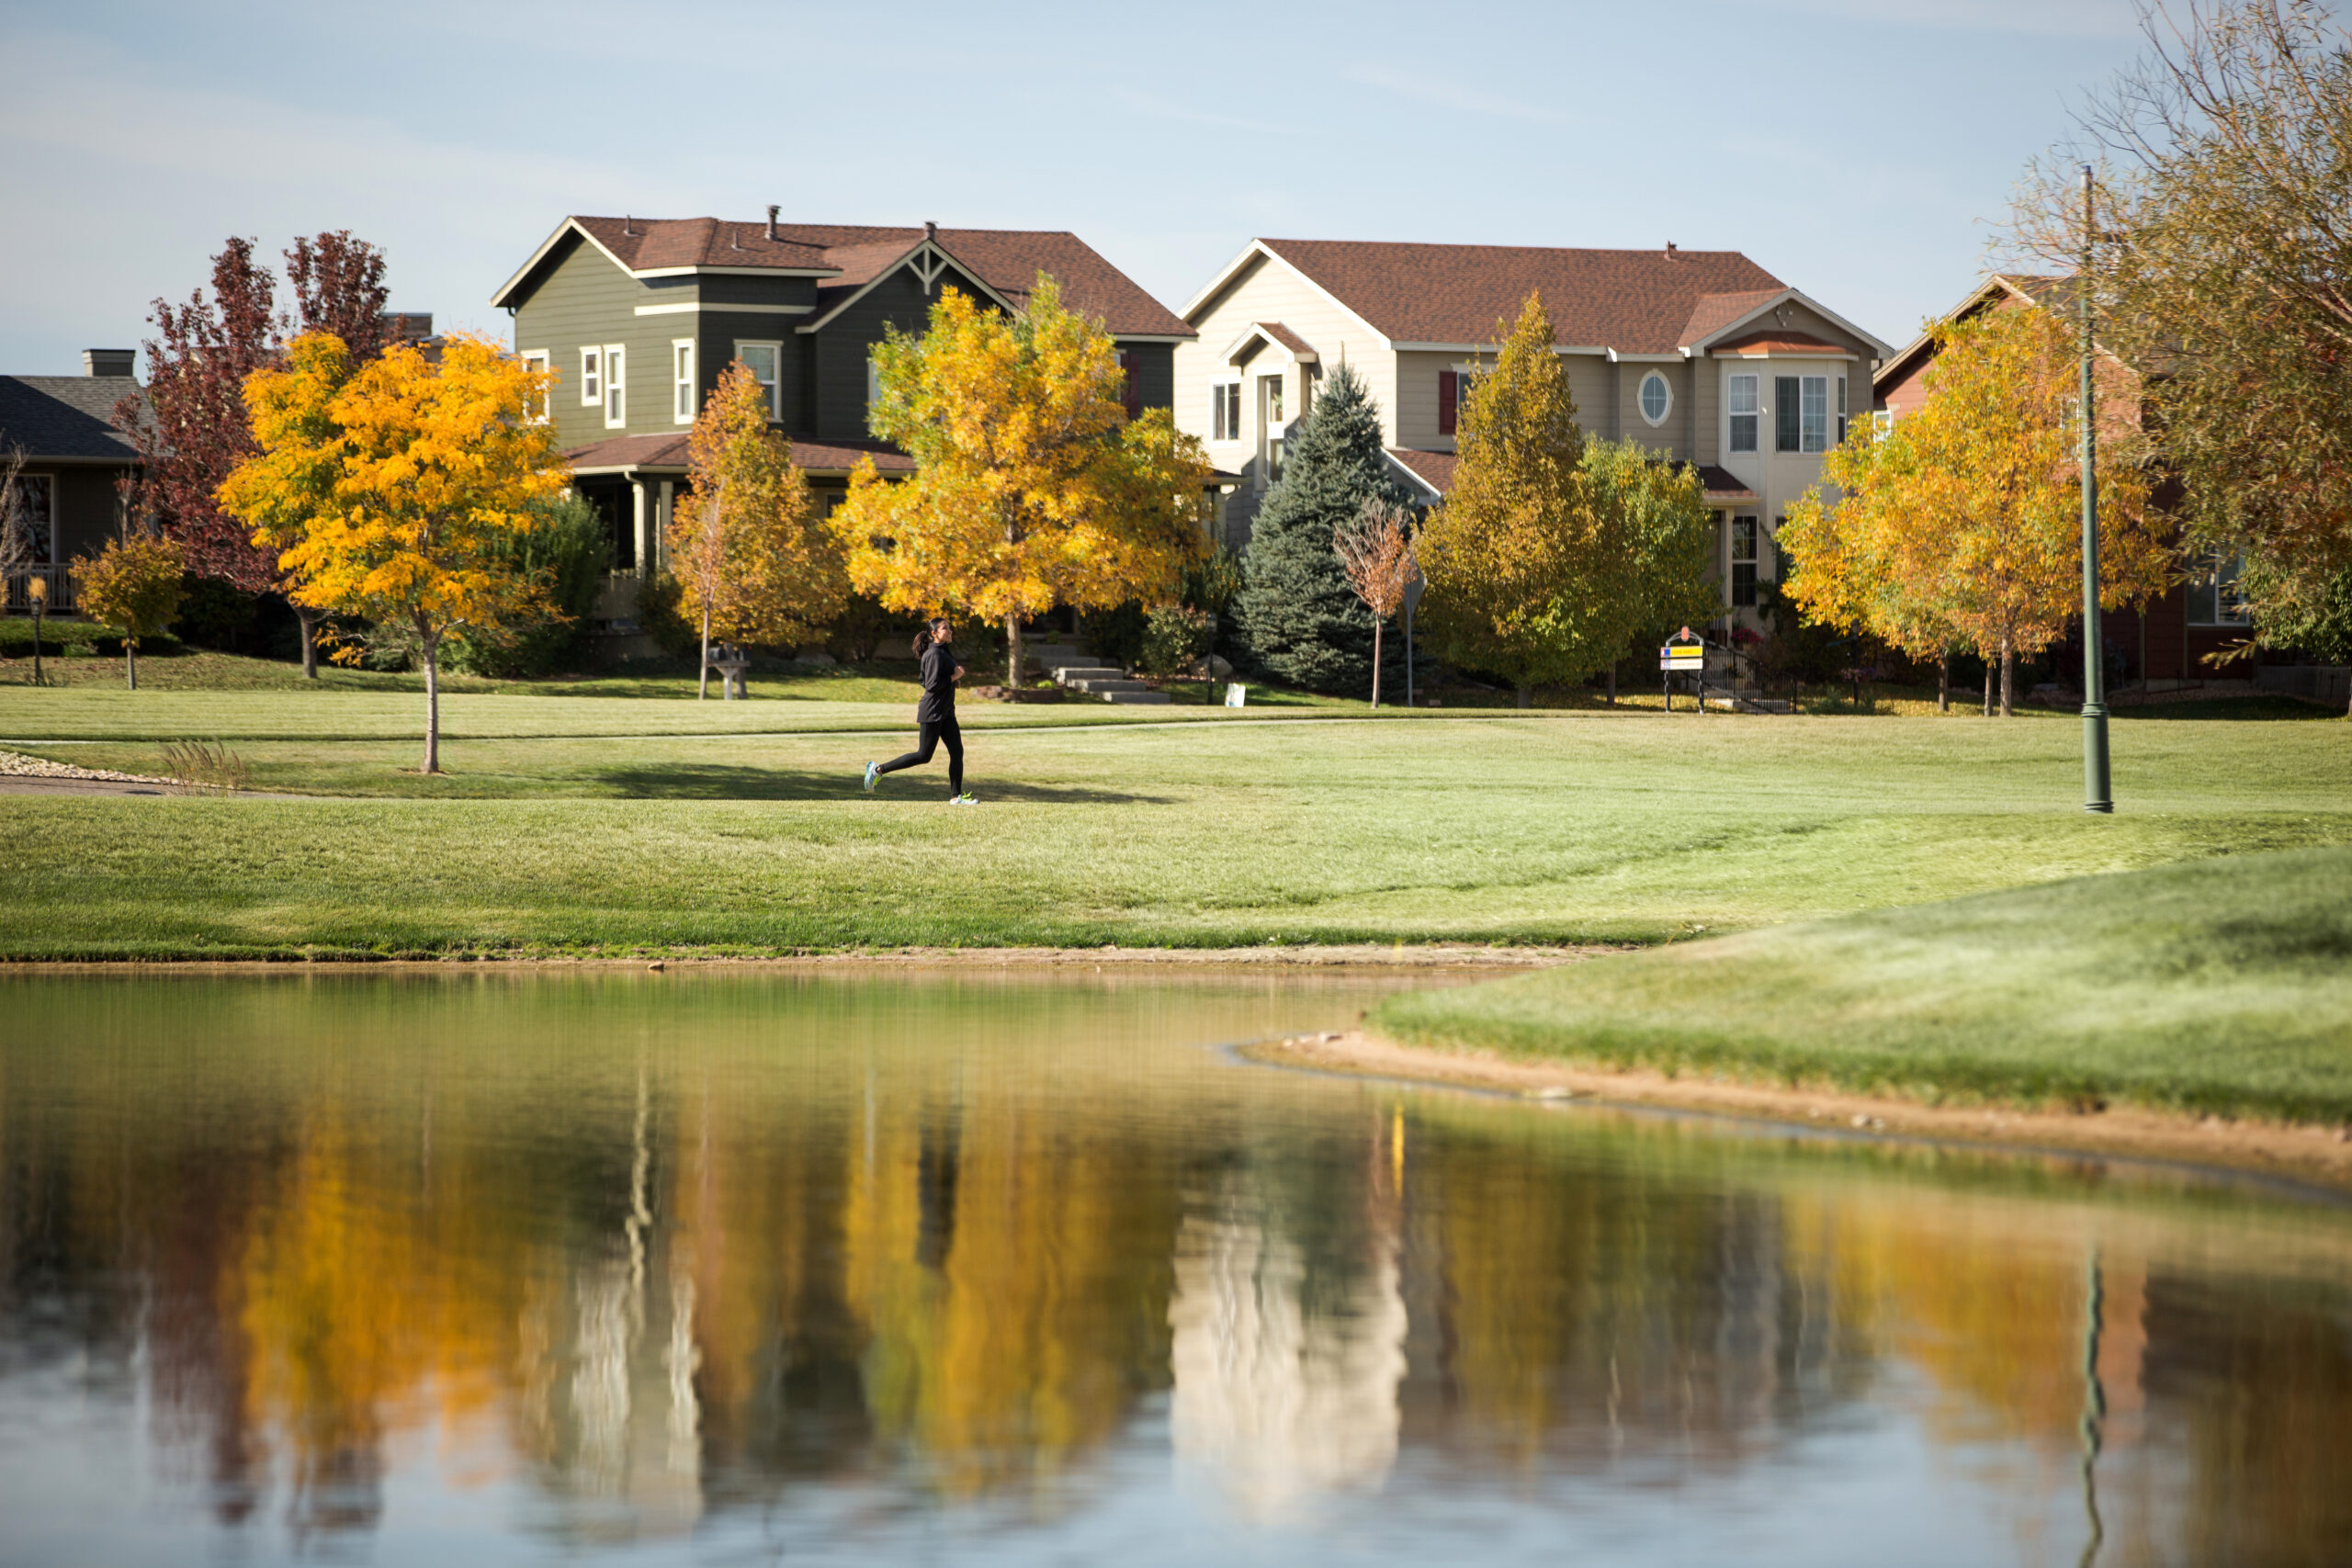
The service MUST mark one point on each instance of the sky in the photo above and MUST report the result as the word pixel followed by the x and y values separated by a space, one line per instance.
pixel 1860 150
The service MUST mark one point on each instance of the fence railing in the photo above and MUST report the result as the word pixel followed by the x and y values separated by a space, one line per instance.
pixel 60 590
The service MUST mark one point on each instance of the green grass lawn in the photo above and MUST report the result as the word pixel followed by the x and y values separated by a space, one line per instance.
pixel 2218 986
pixel 573 823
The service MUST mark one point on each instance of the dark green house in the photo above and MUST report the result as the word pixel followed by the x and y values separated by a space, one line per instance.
pixel 73 459
pixel 637 317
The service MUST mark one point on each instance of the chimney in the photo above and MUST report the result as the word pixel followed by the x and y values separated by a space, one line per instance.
pixel 110 362
pixel 1669 249
pixel 772 212
pixel 406 326
pixel 931 231
pixel 625 225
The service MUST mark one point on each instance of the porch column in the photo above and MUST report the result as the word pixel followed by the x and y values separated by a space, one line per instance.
pixel 662 522
pixel 637 522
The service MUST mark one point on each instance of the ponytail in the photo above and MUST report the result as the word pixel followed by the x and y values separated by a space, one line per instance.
pixel 922 634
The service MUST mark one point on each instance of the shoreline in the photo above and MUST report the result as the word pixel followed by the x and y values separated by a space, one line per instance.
pixel 2312 1154
pixel 1303 955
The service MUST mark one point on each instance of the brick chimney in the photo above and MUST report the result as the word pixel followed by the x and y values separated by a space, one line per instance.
pixel 772 209
pixel 110 362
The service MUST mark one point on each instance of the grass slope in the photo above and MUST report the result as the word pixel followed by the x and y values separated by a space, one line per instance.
pixel 2223 986
pixel 572 825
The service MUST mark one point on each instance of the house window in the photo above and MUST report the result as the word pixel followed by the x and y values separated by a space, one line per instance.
pixel 1225 412
pixel 615 386
pixel 681 380
pixel 1131 382
pixel 2213 598
pixel 762 359
pixel 1658 398
pixel 1881 421
pixel 1271 398
pixel 1311 377
pixel 1816 406
pixel 1743 561
pixel 536 409
pixel 1841 410
pixel 1786 436
pixel 35 516
pixel 591 377
pixel 1743 413
pixel 1270 419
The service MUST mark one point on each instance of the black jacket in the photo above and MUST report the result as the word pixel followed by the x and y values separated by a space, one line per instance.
pixel 938 704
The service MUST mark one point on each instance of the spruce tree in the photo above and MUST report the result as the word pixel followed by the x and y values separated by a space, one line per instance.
pixel 1301 621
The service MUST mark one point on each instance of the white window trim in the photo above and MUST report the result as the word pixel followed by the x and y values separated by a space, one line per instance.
pixel 616 385
pixel 683 402
pixel 592 376
pixel 1224 392
pixel 775 387
pixel 1641 408
pixel 542 408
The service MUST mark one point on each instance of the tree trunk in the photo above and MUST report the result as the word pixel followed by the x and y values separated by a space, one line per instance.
pixel 1012 653
pixel 130 662
pixel 1944 682
pixel 309 619
pixel 1524 700
pixel 703 689
pixel 432 705
pixel 1612 685
pixel 1988 688
pixel 1375 664
pixel 2009 678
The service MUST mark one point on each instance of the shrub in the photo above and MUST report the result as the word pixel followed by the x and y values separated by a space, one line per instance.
pixel 1174 639
pixel 568 550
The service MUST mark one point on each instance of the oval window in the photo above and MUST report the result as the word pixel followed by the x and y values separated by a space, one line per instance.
pixel 1656 397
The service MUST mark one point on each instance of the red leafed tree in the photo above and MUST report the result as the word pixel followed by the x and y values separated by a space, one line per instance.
pixel 191 431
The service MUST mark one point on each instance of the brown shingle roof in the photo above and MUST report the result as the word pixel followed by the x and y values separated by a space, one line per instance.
pixel 1007 260
pixel 1779 341
pixel 1434 469
pixel 670 452
pixel 1634 302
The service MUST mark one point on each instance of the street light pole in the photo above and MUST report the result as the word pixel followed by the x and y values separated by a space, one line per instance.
pixel 2097 793
pixel 37 589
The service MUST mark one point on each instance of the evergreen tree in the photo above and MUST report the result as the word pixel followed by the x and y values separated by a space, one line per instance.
pixel 1301 621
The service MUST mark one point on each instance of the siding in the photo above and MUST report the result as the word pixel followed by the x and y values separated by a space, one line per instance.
pixel 1268 292
pixel 85 514
pixel 585 299
pixel 835 371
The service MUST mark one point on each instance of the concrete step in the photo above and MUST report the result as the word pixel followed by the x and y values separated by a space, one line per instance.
pixel 1077 675
pixel 1136 697
pixel 1095 686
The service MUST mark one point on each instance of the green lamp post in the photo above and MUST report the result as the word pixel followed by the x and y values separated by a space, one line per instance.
pixel 2097 793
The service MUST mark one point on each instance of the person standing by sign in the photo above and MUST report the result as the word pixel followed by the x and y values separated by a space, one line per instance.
pixel 935 715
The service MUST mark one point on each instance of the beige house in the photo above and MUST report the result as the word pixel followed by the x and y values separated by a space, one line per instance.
pixel 1701 355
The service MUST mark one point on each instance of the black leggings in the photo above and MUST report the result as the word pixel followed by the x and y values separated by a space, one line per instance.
pixel 933 734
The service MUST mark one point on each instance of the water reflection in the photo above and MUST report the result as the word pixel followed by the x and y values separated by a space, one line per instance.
pixel 660 1265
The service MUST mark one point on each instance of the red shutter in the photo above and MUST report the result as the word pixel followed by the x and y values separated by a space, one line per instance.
pixel 1132 368
pixel 1445 385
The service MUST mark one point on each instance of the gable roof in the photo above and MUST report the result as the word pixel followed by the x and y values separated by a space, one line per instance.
pixel 66 416
pixel 1634 302
pixel 849 258
pixel 2029 288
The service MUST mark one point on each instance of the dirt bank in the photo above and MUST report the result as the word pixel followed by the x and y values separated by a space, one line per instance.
pixel 2319 1156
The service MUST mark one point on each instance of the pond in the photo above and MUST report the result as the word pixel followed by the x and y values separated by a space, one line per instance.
pixel 830 1265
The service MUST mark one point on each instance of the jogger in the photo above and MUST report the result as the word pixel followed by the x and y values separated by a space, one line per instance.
pixel 934 715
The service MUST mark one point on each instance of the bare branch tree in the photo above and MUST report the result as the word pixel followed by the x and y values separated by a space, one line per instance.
pixel 1376 553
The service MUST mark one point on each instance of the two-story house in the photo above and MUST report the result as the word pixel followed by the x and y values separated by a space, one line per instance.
pixel 1701 355
pixel 636 318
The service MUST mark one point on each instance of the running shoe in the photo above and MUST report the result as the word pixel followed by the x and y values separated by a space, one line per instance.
pixel 873 772
pixel 966 799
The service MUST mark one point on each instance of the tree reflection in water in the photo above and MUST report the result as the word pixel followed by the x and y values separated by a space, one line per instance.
pixel 659 1254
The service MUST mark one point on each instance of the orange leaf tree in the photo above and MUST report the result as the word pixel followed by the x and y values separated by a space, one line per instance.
pixel 1032 487
pixel 753 563
pixel 1376 552
pixel 1961 525
pixel 397 492
pixel 135 584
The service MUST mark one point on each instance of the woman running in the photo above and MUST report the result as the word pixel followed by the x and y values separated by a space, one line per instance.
pixel 934 715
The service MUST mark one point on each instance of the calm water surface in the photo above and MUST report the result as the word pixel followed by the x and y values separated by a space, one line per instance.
pixel 790 1267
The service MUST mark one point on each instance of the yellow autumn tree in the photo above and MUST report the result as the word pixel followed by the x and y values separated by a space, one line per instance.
pixel 396 492
pixel 134 584
pixel 1961 525
pixel 1032 487
pixel 1527 577
pixel 754 563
